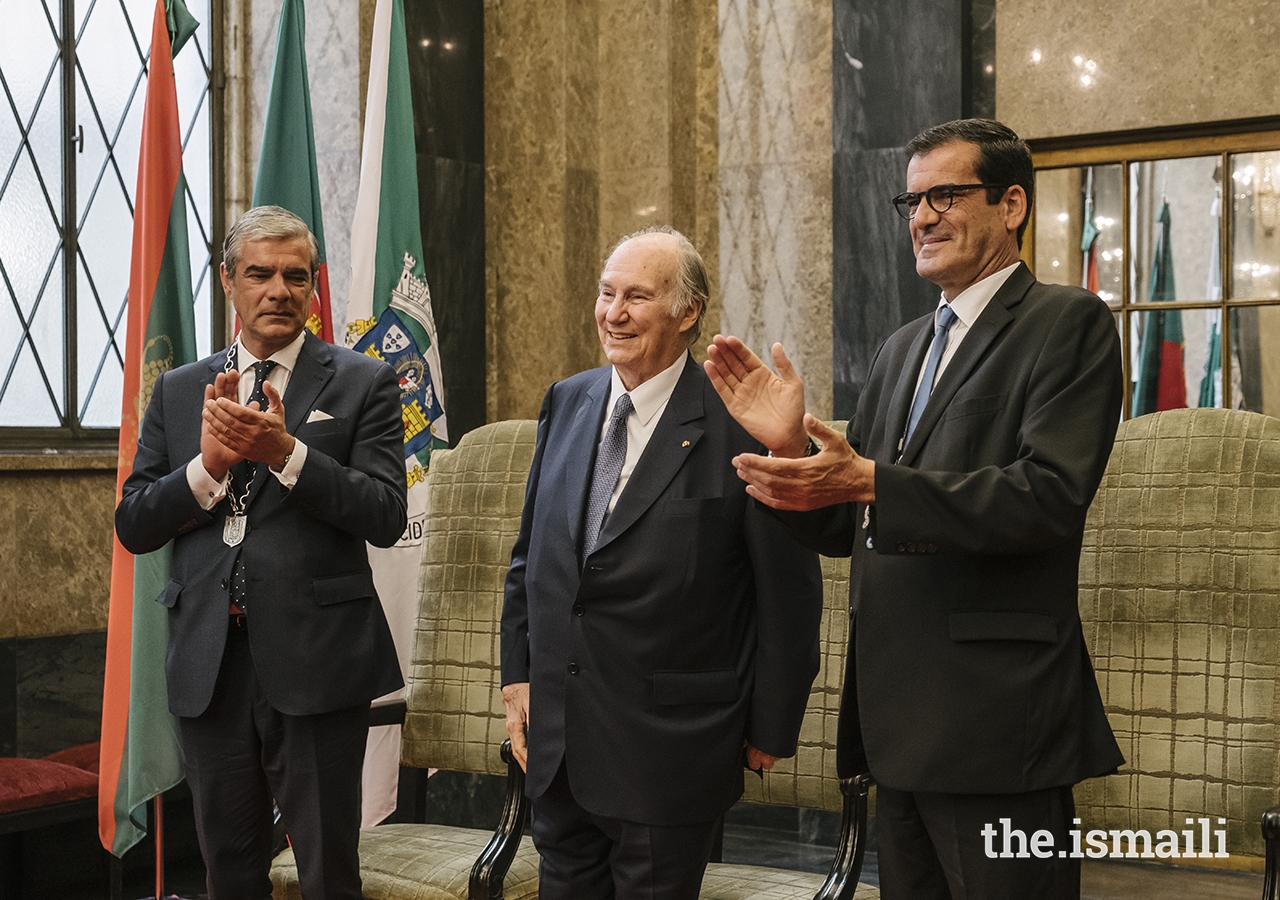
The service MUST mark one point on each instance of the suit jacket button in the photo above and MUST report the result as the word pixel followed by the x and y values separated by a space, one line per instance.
pixel 224 584
pixel 578 609
pixel 933 548
pixel 911 548
pixel 902 548
pixel 573 668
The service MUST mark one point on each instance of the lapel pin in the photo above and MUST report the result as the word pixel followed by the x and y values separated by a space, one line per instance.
pixel 684 443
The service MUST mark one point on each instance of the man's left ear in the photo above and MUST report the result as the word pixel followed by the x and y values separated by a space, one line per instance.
pixel 1015 200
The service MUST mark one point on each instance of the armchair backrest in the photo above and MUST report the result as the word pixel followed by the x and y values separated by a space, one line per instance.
pixel 1180 599
pixel 455 719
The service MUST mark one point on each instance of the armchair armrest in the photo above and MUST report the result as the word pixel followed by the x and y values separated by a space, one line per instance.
pixel 1271 834
pixel 842 880
pixel 495 859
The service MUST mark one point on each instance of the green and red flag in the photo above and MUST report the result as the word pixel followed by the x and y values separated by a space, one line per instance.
pixel 389 317
pixel 287 173
pixel 1162 378
pixel 1089 239
pixel 140 756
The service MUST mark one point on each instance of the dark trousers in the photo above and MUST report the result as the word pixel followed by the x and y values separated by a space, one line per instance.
pixel 933 846
pixel 240 753
pixel 590 857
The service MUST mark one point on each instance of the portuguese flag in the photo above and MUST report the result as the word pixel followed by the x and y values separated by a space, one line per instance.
pixel 1162 378
pixel 140 756
pixel 287 173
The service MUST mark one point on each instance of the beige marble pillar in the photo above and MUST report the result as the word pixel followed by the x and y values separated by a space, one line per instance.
pixel 775 113
pixel 598 123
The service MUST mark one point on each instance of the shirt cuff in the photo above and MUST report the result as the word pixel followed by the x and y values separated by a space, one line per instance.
pixel 288 476
pixel 207 490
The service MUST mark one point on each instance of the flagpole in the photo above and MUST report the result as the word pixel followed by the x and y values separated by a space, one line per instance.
pixel 159 816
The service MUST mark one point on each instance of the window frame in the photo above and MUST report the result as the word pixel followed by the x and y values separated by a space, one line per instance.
pixel 1220 139
pixel 71 435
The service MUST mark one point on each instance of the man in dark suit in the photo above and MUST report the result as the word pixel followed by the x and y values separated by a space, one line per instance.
pixel 658 624
pixel 269 465
pixel 961 493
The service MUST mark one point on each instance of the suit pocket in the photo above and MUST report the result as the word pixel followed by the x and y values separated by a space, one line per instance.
pixel 976 406
pixel 340 588
pixel 169 596
pixel 1001 625
pixel 322 428
pixel 703 686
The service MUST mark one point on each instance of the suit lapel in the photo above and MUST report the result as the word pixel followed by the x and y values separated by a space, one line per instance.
pixel 580 455
pixel 309 376
pixel 994 319
pixel 676 434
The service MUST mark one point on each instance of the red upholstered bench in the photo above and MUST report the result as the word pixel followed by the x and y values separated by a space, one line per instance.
pixel 60 787
pixel 34 793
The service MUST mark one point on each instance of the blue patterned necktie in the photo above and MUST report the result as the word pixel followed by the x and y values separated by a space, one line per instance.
pixel 946 318
pixel 609 459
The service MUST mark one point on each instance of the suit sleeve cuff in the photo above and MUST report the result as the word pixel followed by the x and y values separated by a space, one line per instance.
pixel 207 490
pixel 288 476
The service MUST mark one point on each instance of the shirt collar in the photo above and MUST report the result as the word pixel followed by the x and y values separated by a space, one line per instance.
pixel 286 357
pixel 970 302
pixel 651 396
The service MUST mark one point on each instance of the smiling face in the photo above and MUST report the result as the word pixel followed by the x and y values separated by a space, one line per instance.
pixel 633 309
pixel 271 291
pixel 971 240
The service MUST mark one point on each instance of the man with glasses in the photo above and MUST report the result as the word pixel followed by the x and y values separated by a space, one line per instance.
pixel 960 493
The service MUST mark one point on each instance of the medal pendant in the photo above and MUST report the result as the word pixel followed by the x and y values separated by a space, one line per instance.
pixel 233 530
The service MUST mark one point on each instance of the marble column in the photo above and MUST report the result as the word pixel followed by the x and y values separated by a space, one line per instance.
pixel 898 69
pixel 600 120
pixel 541 197
pixel 446 70
pixel 775 222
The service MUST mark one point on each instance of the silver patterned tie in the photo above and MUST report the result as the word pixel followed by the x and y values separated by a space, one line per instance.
pixel 609 459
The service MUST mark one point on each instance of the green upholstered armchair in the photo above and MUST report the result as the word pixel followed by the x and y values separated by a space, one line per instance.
pixel 1180 599
pixel 809 779
pixel 455 719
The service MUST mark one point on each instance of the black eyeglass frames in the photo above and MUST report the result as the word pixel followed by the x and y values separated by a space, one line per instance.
pixel 940 197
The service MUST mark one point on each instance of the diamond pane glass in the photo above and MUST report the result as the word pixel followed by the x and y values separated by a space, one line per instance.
pixel 105 254
pixel 29 238
pixel 28 50
pixel 107 53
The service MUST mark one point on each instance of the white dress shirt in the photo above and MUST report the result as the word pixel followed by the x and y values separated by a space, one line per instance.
pixel 967 307
pixel 207 490
pixel 648 401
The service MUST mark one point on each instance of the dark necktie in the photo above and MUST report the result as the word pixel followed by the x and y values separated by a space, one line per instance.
pixel 609 460
pixel 946 318
pixel 243 474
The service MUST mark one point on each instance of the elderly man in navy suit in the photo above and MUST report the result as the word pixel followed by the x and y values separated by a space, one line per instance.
pixel 660 628
pixel 270 465
pixel 960 493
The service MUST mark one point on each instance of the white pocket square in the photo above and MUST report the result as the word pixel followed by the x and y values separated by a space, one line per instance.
pixel 318 415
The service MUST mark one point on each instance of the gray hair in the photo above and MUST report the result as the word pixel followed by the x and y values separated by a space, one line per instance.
pixel 267 223
pixel 691 276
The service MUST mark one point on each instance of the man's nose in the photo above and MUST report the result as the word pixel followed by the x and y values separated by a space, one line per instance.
pixel 617 311
pixel 925 215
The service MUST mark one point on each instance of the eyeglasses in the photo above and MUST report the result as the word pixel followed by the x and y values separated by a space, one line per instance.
pixel 940 197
